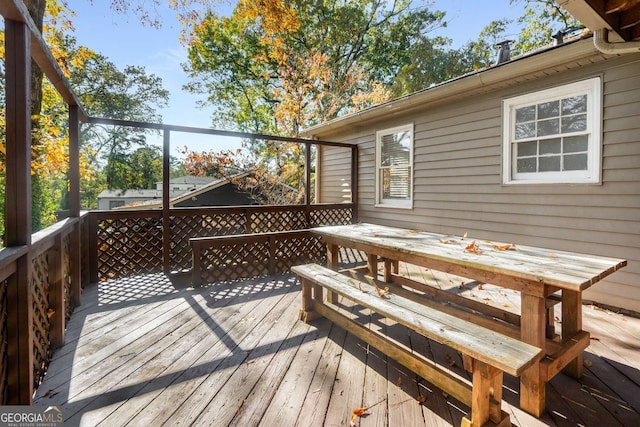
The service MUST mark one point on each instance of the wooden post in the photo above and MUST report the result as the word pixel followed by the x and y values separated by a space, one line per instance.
pixel 166 220
pixel 92 219
pixel 56 294
pixel 307 184
pixel 196 264
pixel 271 263
pixel 18 211
pixel 74 207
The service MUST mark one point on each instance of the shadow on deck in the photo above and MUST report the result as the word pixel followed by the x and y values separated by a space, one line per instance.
pixel 145 351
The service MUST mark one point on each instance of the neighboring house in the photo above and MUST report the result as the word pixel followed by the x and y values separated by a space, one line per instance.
pixel 186 183
pixel 543 150
pixel 219 192
pixel 111 199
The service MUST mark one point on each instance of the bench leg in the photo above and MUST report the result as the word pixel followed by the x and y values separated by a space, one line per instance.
pixel 307 313
pixel 486 398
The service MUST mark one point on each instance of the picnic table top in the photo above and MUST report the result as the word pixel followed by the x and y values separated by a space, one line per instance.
pixel 565 270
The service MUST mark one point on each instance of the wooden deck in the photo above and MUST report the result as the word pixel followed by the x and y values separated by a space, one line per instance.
pixel 146 352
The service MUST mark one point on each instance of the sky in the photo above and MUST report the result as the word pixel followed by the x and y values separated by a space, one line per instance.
pixel 124 41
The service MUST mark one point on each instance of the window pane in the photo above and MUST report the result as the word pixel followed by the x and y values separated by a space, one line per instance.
pixel 526 114
pixel 574 123
pixel 395 183
pixel 548 109
pixel 395 149
pixel 551 146
pixel 574 144
pixel 548 127
pixel 575 162
pixel 549 164
pixel 527 130
pixel 527 165
pixel 573 105
pixel 527 148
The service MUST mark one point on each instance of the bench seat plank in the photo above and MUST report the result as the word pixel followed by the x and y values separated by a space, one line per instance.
pixel 505 353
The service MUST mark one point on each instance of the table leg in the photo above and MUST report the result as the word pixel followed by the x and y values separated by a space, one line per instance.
pixel 333 253
pixel 571 325
pixel 372 265
pixel 533 331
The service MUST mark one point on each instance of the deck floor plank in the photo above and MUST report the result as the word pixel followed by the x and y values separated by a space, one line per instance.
pixel 144 352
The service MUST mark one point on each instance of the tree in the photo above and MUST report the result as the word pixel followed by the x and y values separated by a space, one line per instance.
pixel 276 67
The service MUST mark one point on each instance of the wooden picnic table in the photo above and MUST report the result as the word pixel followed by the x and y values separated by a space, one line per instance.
pixel 542 276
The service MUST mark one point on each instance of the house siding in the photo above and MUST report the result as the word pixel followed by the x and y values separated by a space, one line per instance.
pixel 458 184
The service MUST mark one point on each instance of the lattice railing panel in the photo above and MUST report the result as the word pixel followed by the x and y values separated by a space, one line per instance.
pixel 40 295
pixel 333 216
pixel 273 221
pixel 184 228
pixel 233 262
pixel 66 277
pixel 129 246
pixel 4 362
pixel 299 250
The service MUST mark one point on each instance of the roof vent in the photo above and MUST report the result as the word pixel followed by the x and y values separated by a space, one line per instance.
pixel 505 51
pixel 558 37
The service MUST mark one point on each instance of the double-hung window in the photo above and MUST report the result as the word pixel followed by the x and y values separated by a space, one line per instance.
pixel 394 167
pixel 553 136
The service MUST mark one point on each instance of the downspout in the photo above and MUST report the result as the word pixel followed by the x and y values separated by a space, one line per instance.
pixel 601 42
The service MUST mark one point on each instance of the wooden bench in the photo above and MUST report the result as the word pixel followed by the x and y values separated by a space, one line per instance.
pixel 487 354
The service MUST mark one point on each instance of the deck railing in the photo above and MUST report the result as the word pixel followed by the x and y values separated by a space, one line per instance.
pixel 131 242
pixel 104 245
pixel 33 318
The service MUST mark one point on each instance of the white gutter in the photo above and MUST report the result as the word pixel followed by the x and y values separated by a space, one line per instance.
pixel 601 42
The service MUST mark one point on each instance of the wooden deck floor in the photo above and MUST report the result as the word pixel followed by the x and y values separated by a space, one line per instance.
pixel 143 352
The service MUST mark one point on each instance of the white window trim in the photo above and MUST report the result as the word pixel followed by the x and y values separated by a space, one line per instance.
pixel 593 89
pixel 394 203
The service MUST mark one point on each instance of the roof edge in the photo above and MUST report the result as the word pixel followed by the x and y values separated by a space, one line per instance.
pixel 460 86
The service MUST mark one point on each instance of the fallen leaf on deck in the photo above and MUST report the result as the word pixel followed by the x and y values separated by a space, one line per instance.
pixel 588 363
pixel 552 255
pixel 506 305
pixel 595 338
pixel 421 399
pixel 473 248
pixel 507 247
pixel 399 382
pixel 480 286
pixel 358 412
pixel 464 236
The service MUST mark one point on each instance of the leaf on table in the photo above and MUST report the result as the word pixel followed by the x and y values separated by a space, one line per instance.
pixel 507 247
pixel 382 292
pixel 473 248
pixel 360 287
pixel 448 241
pixel 552 255
pixel 480 287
